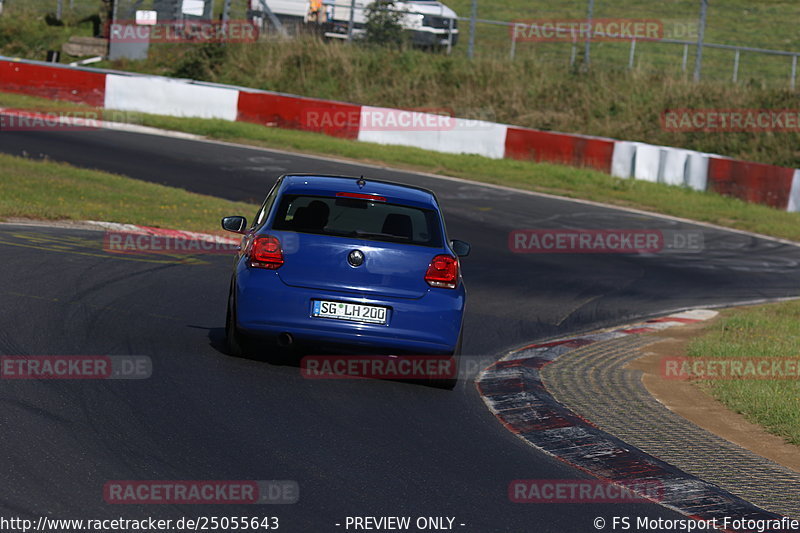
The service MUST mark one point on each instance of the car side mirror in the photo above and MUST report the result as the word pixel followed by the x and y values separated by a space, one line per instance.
pixel 461 248
pixel 234 224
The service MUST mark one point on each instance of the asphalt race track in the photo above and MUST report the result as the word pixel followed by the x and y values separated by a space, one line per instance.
pixel 356 448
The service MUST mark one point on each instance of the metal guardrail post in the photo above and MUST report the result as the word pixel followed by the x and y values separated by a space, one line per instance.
pixel 472 18
pixel 351 22
pixel 573 54
pixel 588 48
pixel 450 36
pixel 701 31
pixel 685 57
pixel 273 18
pixel 226 11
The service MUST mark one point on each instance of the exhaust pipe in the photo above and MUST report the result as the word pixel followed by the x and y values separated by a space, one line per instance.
pixel 285 340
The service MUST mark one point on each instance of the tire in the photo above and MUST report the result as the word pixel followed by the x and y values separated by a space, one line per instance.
pixel 238 344
pixel 449 383
pixel 235 342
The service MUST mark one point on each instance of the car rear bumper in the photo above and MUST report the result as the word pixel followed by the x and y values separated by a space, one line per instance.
pixel 267 307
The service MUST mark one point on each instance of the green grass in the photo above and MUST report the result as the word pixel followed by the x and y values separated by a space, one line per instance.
pixel 554 179
pixel 761 24
pixel 56 191
pixel 537 90
pixel 765 331
pixel 765 24
pixel 528 92
pixel 734 22
pixel 24 32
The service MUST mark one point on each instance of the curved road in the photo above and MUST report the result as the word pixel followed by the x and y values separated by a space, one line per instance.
pixel 356 448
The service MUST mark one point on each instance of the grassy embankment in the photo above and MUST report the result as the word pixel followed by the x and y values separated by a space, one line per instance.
pixel 764 331
pixel 532 91
pixel 555 179
pixel 54 191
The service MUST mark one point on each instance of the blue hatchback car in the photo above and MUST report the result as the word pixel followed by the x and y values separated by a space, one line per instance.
pixel 349 264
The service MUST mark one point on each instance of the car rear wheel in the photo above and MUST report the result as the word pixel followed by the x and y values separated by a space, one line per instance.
pixel 449 383
pixel 239 344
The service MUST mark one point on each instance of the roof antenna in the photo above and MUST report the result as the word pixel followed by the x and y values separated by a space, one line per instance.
pixel 361 182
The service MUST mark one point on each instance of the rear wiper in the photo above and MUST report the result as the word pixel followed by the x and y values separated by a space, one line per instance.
pixel 361 233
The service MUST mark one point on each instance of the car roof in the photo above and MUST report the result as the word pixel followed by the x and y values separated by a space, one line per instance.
pixel 329 185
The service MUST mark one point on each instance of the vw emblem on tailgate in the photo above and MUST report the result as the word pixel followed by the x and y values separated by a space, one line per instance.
pixel 356 258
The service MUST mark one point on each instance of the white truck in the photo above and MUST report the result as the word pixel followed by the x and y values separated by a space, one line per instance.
pixel 430 22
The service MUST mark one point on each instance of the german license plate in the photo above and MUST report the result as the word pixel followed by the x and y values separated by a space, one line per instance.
pixel 371 314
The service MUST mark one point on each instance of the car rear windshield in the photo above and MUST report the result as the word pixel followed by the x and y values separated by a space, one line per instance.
pixel 359 219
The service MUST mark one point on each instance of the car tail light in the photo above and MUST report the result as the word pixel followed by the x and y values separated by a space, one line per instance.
pixel 443 272
pixel 265 252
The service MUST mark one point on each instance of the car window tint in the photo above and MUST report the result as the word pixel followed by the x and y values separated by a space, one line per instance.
pixel 362 219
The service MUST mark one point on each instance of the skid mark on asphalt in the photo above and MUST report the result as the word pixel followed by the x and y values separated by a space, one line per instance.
pixel 88 247
pixel 578 305
pixel 92 307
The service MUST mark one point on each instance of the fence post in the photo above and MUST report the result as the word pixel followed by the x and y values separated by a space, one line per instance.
pixel 685 56
pixel 513 45
pixel 587 51
pixel 574 52
pixel 698 60
pixel 226 11
pixel 794 71
pixel 351 22
pixel 276 23
pixel 736 66
pixel 450 36
pixel 632 54
pixel 59 8
pixel 472 17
